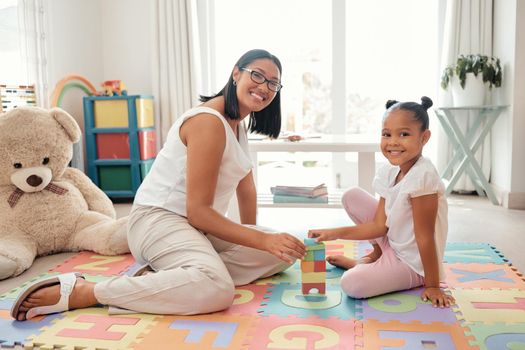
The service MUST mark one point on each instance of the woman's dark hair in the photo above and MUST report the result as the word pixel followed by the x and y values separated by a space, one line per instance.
pixel 267 121
pixel 419 109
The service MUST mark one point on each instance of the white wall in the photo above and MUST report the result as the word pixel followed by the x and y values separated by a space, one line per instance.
pixel 126 45
pixel 508 151
pixel 73 47
pixel 100 40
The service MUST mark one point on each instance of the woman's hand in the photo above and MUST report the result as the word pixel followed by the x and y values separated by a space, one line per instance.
pixel 284 246
pixel 323 234
pixel 437 296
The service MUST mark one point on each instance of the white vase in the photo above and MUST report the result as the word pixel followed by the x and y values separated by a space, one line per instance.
pixel 472 95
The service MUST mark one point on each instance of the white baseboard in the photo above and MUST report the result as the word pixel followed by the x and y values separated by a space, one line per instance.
pixel 510 200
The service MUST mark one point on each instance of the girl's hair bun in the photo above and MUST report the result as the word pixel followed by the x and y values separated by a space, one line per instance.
pixel 426 102
pixel 390 103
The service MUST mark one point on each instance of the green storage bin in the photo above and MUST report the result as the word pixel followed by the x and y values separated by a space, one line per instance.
pixel 115 177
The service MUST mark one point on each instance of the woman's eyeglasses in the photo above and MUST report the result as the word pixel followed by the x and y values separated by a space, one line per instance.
pixel 259 78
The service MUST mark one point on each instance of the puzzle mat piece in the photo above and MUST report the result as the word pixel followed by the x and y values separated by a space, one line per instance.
pixel 460 252
pixel 91 328
pixel 342 247
pixel 13 293
pixel 247 300
pixel 274 332
pixel 489 306
pixel 405 306
pixel 484 276
pixel 94 264
pixel 212 331
pixel 293 275
pixel 395 335
pixel 287 299
pixel 498 336
pixel 15 332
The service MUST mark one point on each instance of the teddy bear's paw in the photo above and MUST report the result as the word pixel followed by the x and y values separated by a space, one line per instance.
pixel 8 267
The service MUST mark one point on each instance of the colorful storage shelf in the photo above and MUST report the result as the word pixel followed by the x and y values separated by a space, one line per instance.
pixel 121 142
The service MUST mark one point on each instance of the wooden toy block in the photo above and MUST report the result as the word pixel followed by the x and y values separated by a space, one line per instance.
pixel 311 244
pixel 309 255
pixel 314 277
pixel 319 255
pixel 307 287
pixel 319 266
pixel 307 266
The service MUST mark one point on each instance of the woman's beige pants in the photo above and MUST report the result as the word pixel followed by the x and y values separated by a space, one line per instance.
pixel 195 273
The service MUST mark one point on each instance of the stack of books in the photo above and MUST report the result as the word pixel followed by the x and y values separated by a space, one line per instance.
pixel 300 194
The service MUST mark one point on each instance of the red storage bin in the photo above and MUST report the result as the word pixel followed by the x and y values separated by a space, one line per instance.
pixel 113 146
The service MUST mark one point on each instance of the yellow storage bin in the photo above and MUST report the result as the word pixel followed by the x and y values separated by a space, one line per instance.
pixel 145 113
pixel 111 113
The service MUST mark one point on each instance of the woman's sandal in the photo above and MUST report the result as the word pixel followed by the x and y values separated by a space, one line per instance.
pixel 67 282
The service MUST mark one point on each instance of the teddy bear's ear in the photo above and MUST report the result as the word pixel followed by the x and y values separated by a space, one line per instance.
pixel 68 123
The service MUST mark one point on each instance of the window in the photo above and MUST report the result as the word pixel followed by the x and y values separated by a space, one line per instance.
pixel 342 60
pixel 298 32
pixel 391 53
pixel 12 68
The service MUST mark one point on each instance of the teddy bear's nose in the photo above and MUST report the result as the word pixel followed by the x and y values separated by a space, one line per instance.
pixel 34 180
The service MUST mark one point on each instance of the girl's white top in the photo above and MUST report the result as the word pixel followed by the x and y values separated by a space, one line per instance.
pixel 165 184
pixel 422 179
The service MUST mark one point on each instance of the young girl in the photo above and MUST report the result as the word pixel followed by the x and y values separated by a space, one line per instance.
pixel 177 225
pixel 408 225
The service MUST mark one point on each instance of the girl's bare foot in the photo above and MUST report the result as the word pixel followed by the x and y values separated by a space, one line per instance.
pixel 82 296
pixel 348 263
pixel 343 261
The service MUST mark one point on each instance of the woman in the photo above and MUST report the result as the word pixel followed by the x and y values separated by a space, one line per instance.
pixel 177 226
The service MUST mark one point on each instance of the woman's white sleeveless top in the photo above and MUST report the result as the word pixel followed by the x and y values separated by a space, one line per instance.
pixel 165 185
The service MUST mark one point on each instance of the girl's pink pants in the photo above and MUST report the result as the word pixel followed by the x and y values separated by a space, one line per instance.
pixel 388 273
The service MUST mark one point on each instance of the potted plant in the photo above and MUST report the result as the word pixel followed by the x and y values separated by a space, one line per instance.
pixel 469 76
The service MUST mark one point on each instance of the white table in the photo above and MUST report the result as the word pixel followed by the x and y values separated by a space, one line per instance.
pixel 364 145
pixel 466 144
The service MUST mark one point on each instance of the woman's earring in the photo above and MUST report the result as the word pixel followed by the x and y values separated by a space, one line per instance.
pixel 234 83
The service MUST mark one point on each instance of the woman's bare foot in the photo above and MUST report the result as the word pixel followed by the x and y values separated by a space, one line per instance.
pixel 82 296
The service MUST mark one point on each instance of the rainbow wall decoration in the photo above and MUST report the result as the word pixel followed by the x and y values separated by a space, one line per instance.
pixel 71 82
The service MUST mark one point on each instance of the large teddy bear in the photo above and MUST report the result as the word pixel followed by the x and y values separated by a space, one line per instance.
pixel 46 206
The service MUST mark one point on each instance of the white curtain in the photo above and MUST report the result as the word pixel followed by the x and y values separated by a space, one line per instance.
pixel 467 30
pixel 180 57
pixel 32 29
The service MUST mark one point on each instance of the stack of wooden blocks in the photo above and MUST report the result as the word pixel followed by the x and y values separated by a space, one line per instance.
pixel 313 267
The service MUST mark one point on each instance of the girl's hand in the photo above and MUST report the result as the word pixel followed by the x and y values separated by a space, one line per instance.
pixel 323 235
pixel 284 246
pixel 437 296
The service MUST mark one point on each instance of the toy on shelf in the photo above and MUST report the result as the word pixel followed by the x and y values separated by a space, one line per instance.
pixel 313 267
pixel 114 87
